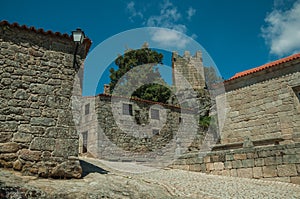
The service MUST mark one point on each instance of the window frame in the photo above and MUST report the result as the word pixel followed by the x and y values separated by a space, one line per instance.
pixel 127 109
pixel 87 109
pixel 154 113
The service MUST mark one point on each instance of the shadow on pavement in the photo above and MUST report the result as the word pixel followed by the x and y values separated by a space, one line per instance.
pixel 88 168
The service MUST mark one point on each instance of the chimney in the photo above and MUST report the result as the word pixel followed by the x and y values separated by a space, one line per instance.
pixel 106 89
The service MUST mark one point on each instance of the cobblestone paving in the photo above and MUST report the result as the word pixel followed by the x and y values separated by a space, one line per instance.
pixel 196 185
pixel 185 184
pixel 159 183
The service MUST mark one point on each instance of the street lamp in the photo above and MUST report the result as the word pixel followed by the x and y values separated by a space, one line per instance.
pixel 78 37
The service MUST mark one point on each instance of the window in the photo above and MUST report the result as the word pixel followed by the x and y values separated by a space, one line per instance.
pixel 297 91
pixel 155 114
pixel 87 109
pixel 155 131
pixel 127 109
pixel 84 141
pixel 180 120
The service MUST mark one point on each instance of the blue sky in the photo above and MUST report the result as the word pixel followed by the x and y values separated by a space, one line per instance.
pixel 237 34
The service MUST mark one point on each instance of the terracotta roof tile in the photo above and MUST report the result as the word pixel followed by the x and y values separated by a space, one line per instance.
pixel 42 31
pixel 265 66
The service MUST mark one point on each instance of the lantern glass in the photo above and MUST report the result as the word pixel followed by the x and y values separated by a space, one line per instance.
pixel 78 36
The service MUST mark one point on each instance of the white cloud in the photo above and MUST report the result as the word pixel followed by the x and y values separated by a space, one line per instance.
pixel 282 32
pixel 190 12
pixel 169 38
pixel 133 12
pixel 169 17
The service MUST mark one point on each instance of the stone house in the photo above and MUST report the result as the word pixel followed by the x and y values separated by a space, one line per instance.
pixel 260 127
pixel 37 131
pixel 123 128
pixel 262 103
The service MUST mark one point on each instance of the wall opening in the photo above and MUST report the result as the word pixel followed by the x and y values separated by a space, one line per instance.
pixel 84 141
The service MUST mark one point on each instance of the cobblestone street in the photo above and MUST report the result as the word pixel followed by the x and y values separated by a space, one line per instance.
pixel 160 183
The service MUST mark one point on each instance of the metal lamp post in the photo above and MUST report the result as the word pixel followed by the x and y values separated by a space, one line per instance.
pixel 78 37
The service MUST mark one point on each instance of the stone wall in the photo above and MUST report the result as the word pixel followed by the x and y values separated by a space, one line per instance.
pixel 113 134
pixel 262 105
pixel 189 69
pixel 37 131
pixel 279 163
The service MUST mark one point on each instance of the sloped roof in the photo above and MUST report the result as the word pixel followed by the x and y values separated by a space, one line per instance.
pixel 264 67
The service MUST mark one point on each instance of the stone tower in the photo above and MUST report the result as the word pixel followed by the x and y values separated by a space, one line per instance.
pixel 189 68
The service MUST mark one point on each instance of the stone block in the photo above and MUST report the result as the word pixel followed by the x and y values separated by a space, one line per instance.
pixel 229 157
pixel 42 144
pixel 251 155
pixel 287 170
pixel 27 128
pixel 228 165
pixel 42 121
pixel 9 147
pixel 210 167
pixel 22 137
pixel 9 157
pixel 233 173
pixel 257 172
pixel 237 164
pixel 273 160
pixel 207 159
pixel 8 126
pixel 295 158
pixel 242 156
pixel 60 132
pixel 5 136
pixel 29 155
pixel 215 158
pixel 245 173
pixel 225 172
pixel 259 162
pixel 17 165
pixel 195 167
pixel 248 163
pixel 269 171
pixel 66 148
pixel 218 165
pixel 295 180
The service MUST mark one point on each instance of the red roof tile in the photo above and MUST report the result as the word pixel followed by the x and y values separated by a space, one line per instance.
pixel 265 66
pixel 42 31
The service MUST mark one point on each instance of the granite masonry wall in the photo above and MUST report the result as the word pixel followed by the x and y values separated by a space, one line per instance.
pixel 188 68
pixel 262 105
pixel 37 131
pixel 260 132
pixel 108 127
pixel 278 162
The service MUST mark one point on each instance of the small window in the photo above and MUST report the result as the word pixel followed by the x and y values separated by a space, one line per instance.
pixel 87 109
pixel 297 91
pixel 127 109
pixel 84 141
pixel 155 131
pixel 180 120
pixel 155 114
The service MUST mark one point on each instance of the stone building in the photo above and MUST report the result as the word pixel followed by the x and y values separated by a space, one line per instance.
pixel 260 127
pixel 263 103
pixel 188 68
pixel 119 128
pixel 37 131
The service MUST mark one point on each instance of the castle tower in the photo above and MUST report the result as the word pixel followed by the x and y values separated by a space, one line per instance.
pixel 188 68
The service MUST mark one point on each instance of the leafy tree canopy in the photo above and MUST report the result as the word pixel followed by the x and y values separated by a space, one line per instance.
pixel 136 69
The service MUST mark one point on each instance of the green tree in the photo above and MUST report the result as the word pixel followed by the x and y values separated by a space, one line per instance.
pixel 137 68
